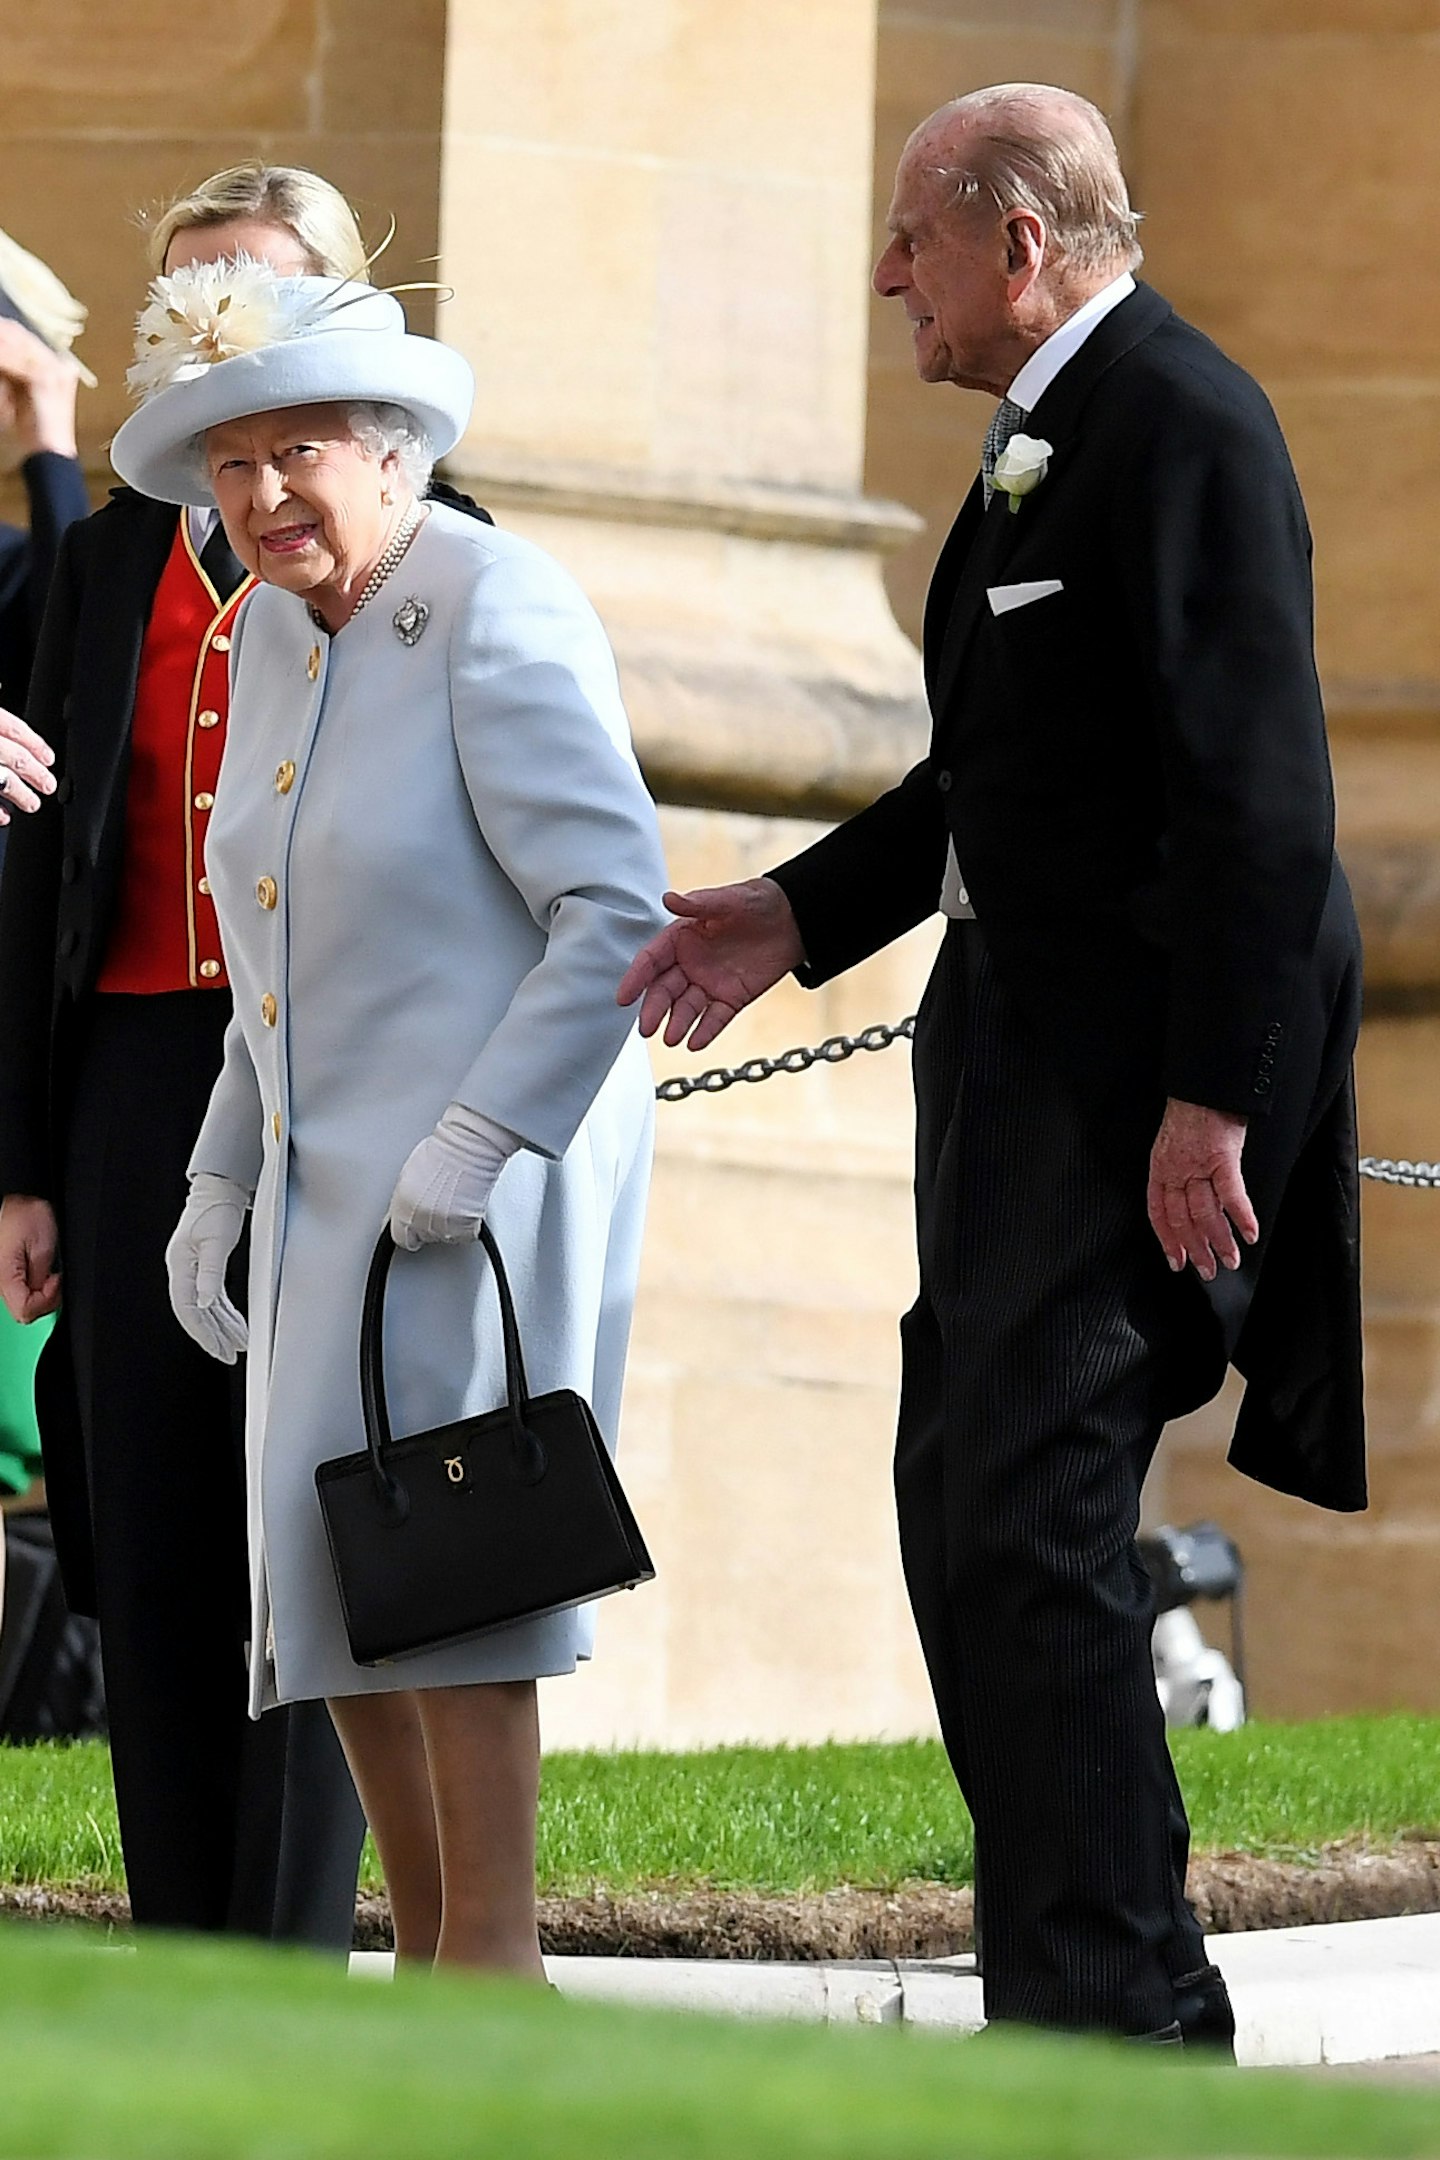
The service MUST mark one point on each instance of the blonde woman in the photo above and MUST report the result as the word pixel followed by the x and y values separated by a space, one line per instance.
pixel 113 1006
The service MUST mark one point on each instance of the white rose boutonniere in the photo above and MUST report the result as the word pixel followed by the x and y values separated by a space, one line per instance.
pixel 1021 466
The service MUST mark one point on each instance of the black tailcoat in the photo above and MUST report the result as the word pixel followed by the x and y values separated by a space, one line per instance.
pixel 1135 774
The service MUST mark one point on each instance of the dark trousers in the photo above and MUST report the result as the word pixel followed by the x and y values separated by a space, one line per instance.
pixel 1039 1366
pixel 225 1823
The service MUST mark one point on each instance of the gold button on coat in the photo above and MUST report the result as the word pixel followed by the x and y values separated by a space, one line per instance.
pixel 209 719
pixel 275 1124
pixel 267 892
pixel 220 643
pixel 312 665
pixel 269 1010
pixel 284 778
pixel 204 886
pixel 209 969
pixel 204 800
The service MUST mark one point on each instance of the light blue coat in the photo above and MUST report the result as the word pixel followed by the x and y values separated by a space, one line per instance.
pixel 464 863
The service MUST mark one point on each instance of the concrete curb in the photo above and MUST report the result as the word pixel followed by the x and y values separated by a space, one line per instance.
pixel 1356 1991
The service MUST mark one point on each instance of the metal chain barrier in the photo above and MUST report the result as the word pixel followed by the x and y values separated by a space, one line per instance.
pixel 1387 1172
pixel 835 1049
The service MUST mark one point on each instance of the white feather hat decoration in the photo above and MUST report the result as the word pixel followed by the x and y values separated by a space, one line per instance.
pixel 204 314
pixel 219 341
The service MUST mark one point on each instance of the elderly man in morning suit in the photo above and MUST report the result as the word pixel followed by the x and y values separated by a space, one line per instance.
pixel 1145 1005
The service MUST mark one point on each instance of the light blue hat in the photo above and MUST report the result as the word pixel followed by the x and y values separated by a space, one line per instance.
pixel 219 341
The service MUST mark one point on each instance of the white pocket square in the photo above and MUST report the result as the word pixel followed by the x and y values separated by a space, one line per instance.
pixel 1003 598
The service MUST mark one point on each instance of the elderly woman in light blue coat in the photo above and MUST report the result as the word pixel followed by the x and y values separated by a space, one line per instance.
pixel 432 855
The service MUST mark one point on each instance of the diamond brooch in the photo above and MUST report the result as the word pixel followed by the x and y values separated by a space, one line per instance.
pixel 410 619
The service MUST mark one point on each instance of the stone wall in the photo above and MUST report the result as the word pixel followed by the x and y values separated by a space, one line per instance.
pixel 107 111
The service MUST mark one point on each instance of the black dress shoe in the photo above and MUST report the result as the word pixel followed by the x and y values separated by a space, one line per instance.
pixel 1203 2012
pixel 1168 2036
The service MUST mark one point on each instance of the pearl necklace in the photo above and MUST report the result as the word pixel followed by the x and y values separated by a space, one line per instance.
pixel 394 554
pixel 405 532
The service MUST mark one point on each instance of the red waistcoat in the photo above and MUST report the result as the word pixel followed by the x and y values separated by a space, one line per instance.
pixel 165 935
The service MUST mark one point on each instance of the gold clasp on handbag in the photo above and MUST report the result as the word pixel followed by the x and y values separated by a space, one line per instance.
pixel 455 1469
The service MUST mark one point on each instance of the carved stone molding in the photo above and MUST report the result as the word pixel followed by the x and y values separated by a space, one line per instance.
pixel 634 497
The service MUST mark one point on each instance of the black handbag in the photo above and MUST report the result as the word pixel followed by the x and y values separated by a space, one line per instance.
pixel 448 1534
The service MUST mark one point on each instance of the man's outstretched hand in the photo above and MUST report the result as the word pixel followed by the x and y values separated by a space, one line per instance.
pixel 729 946
pixel 1197 1198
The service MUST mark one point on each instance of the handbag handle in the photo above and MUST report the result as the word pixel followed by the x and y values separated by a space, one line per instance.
pixel 373 1405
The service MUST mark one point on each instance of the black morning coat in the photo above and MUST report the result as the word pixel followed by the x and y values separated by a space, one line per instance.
pixel 58 896
pixel 1136 777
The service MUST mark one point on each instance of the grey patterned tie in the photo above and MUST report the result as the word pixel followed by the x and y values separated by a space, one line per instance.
pixel 1009 419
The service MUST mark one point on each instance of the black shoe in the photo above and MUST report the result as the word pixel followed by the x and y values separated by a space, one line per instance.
pixel 1203 2013
pixel 1168 2036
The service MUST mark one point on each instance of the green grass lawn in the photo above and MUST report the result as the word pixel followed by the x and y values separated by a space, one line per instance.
pixel 184 2052
pixel 812 1818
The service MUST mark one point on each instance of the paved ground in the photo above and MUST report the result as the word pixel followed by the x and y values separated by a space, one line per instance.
pixel 1357 1993
pixel 1405 2070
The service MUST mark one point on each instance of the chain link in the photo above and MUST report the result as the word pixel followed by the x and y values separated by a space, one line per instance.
pixel 1423 1176
pixel 833 1051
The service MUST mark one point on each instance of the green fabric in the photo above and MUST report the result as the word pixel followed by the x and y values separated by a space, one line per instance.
pixel 20 1349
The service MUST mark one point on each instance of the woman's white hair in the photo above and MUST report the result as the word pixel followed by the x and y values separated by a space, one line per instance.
pixel 1029 146
pixel 389 430
pixel 380 430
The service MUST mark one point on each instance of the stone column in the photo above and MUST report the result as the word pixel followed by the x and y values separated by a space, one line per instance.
pixel 655 218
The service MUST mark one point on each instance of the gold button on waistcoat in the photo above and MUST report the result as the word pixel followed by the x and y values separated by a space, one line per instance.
pixel 209 719
pixel 267 892
pixel 269 1010
pixel 312 665
pixel 220 643
pixel 209 969
pixel 204 800
pixel 284 778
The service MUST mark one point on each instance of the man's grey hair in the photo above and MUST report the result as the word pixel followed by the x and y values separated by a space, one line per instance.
pixel 386 430
pixel 1029 146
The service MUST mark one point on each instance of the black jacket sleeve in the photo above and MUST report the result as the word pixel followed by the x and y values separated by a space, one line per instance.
pixel 1214 552
pixel 55 487
pixel 870 880
pixel 29 907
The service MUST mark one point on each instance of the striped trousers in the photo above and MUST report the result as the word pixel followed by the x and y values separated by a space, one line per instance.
pixel 1039 1361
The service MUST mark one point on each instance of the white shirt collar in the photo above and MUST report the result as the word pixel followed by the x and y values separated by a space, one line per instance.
pixel 203 520
pixel 1045 363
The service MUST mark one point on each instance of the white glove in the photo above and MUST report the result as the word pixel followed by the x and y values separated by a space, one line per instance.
pixel 195 1260
pixel 442 1193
